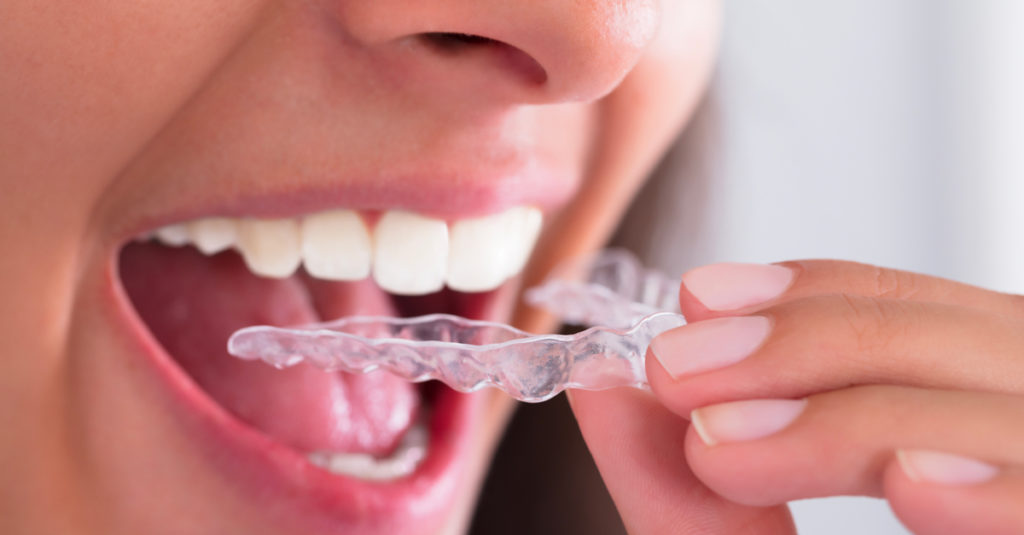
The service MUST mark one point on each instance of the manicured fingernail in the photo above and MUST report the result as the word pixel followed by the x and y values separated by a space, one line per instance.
pixel 740 421
pixel 711 344
pixel 944 468
pixel 733 286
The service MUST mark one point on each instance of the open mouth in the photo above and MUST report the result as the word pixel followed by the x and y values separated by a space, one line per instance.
pixel 349 436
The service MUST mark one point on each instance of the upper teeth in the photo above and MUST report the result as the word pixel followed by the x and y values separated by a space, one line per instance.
pixel 406 253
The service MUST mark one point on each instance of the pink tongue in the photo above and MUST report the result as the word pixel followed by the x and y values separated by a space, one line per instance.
pixel 193 303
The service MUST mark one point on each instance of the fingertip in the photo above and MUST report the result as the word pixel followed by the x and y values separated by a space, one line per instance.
pixel 729 475
pixel 724 288
pixel 730 458
pixel 700 428
pixel 916 507
pixel 675 396
pixel 944 494
pixel 692 309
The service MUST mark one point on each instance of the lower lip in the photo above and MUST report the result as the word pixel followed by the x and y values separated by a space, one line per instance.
pixel 278 479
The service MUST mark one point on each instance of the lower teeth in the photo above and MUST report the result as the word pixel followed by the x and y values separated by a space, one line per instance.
pixel 402 462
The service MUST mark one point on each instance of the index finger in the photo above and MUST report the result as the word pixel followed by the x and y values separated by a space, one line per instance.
pixel 730 289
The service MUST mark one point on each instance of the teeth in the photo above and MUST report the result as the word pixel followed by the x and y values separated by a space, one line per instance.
pixel 406 253
pixel 524 230
pixel 487 250
pixel 213 235
pixel 410 253
pixel 336 246
pixel 402 462
pixel 271 248
pixel 174 235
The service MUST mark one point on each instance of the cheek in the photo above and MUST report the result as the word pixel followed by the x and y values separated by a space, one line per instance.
pixel 84 86
pixel 645 114
pixel 631 129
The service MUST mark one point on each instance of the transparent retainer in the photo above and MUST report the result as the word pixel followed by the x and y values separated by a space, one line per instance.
pixel 628 304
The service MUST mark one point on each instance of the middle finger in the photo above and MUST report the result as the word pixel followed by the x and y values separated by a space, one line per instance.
pixel 827 342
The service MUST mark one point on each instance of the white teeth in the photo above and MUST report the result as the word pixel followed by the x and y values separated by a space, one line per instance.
pixel 214 234
pixel 406 457
pixel 271 248
pixel 406 253
pixel 336 246
pixel 410 253
pixel 487 250
pixel 174 235
pixel 526 229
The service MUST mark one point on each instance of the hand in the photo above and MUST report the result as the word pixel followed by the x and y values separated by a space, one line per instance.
pixel 821 378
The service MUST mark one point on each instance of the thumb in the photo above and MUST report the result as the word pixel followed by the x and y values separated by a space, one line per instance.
pixel 638 446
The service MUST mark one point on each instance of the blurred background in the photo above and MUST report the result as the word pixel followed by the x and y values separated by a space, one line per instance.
pixel 881 131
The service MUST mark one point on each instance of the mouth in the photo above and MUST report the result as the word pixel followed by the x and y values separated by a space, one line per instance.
pixel 364 453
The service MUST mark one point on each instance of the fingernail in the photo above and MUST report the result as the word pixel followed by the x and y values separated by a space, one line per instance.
pixel 708 345
pixel 740 421
pixel 733 286
pixel 944 468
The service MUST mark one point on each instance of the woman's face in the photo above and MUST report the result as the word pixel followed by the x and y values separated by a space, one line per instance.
pixel 311 130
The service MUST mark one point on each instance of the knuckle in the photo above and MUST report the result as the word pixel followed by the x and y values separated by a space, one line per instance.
pixel 894 283
pixel 874 323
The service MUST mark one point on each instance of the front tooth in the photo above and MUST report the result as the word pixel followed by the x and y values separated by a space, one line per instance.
pixel 478 255
pixel 271 248
pixel 487 250
pixel 528 222
pixel 214 234
pixel 336 246
pixel 410 253
pixel 174 235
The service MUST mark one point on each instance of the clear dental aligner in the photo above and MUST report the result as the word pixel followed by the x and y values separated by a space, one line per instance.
pixel 610 288
pixel 468 355
pixel 464 354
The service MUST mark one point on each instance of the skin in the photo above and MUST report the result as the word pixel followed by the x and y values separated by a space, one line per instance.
pixel 119 116
pixel 109 112
pixel 886 360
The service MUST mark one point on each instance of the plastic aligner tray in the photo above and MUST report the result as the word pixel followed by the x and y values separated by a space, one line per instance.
pixel 624 299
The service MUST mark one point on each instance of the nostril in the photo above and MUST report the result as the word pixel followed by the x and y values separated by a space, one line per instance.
pixel 453 42
pixel 504 55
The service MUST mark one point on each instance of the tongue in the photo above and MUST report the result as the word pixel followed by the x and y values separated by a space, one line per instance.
pixel 192 303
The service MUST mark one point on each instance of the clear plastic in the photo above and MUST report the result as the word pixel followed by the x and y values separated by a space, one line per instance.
pixel 464 354
pixel 610 288
pixel 618 294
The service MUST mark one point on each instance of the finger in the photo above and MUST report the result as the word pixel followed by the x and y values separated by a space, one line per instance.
pixel 727 289
pixel 638 448
pixel 765 452
pixel 827 342
pixel 936 493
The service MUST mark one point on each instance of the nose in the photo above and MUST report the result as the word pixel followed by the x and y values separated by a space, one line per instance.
pixel 537 51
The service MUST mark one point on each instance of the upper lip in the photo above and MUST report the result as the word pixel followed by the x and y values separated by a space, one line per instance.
pixel 166 183
pixel 447 200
